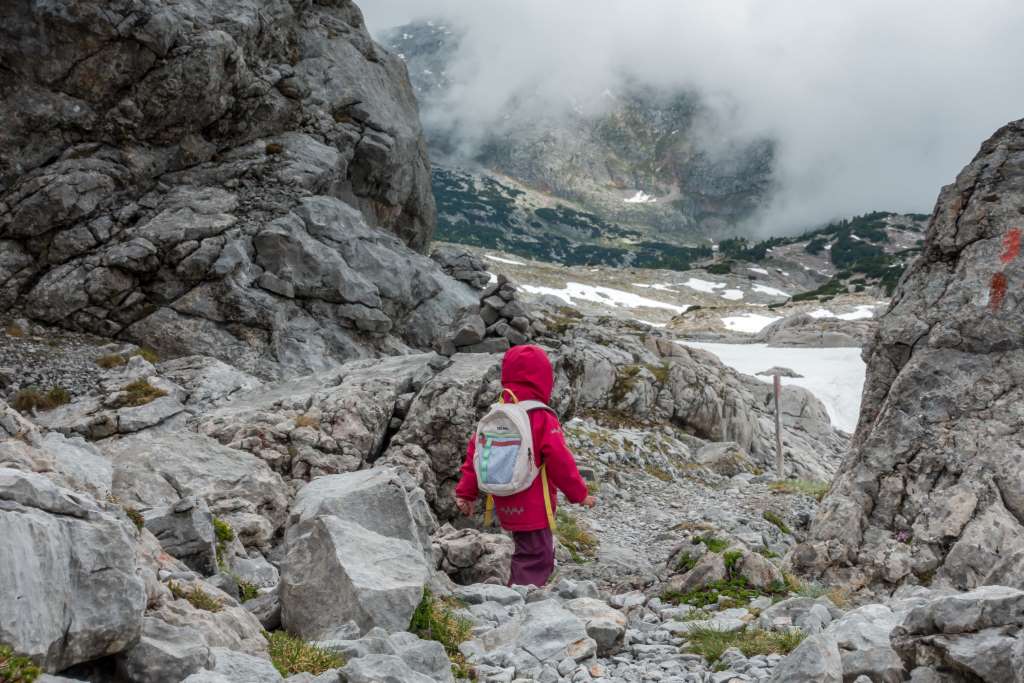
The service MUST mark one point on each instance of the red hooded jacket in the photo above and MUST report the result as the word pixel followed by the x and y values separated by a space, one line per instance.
pixel 526 371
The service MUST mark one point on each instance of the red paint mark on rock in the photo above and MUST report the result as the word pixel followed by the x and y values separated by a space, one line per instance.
pixel 997 291
pixel 1011 245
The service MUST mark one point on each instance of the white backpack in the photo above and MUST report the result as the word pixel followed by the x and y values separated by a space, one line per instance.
pixel 504 457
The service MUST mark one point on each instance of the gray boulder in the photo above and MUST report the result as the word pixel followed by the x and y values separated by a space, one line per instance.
pixel 155 469
pixel 607 626
pixel 933 486
pixel 469 556
pixel 815 660
pixel 185 530
pixel 164 654
pixel 71 592
pixel 383 669
pixel 976 633
pixel 375 499
pixel 337 571
pixel 229 665
pixel 802 329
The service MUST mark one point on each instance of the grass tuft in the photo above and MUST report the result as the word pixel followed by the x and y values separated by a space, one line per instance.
pixel 111 360
pixel 435 619
pixel 775 519
pixel 658 473
pixel 685 563
pixel 225 534
pixel 291 655
pixel 711 643
pixel 581 544
pixel 196 596
pixel 246 591
pixel 148 355
pixel 139 393
pixel 29 399
pixel 306 421
pixel 735 588
pixel 137 519
pixel 731 559
pixel 712 543
pixel 814 489
pixel 15 668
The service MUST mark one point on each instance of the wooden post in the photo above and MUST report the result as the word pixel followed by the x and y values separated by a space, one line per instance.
pixel 779 464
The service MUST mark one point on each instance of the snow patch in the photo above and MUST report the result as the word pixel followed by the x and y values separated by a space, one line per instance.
pixel 834 376
pixel 504 260
pixel 602 295
pixel 771 291
pixel 761 271
pixel 749 323
pixel 640 197
pixel 703 285
pixel 863 312
pixel 732 294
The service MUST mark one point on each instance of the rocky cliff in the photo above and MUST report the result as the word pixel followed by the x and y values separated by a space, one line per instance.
pixel 933 489
pixel 242 179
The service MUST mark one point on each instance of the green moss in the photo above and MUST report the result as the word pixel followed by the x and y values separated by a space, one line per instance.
pixel 731 558
pixel 712 543
pixel 772 517
pixel 686 562
pixel 148 355
pixel 581 544
pixel 435 619
pixel 660 372
pixel 711 643
pixel 291 655
pixel 15 668
pixel 736 589
pixel 196 596
pixel 246 591
pixel 625 381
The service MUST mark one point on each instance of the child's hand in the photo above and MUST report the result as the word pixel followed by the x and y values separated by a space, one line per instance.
pixel 589 502
pixel 466 507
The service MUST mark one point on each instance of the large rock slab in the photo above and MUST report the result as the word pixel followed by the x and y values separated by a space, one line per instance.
pixel 157 469
pixel 164 654
pixel 70 589
pixel 375 499
pixel 275 223
pixel 336 571
pixel 933 486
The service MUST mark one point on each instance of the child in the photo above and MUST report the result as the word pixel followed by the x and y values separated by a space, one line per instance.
pixel 526 372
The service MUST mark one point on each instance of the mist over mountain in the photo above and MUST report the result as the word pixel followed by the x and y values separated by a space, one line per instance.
pixel 866 105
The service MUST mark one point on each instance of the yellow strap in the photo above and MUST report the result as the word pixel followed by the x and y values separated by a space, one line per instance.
pixel 488 511
pixel 547 497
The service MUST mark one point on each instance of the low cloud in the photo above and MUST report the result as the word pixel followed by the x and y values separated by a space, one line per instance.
pixel 874 104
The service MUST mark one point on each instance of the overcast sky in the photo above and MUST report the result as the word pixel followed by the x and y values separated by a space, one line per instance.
pixel 875 104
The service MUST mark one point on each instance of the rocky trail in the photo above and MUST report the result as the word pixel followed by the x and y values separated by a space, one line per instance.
pixel 236 384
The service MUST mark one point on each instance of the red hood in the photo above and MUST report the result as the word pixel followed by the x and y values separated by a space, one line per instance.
pixel 526 370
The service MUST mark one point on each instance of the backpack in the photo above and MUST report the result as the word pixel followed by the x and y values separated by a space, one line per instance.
pixel 504 456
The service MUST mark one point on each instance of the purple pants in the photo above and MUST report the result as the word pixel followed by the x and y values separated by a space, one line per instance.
pixel 533 559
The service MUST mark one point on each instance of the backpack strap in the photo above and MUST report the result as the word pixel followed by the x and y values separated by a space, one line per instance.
pixel 547 498
pixel 488 510
pixel 535 405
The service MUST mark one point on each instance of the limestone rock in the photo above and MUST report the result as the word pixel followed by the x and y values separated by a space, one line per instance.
pixel 816 660
pixel 71 593
pixel 337 571
pixel 164 654
pixel 154 469
pixel 471 557
pixel 185 530
pixel 936 456
pixel 382 669
pixel 605 625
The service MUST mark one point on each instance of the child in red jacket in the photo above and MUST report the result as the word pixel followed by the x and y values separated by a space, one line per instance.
pixel 526 372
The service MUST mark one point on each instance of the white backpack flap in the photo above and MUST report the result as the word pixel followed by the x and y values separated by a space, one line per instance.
pixel 504 456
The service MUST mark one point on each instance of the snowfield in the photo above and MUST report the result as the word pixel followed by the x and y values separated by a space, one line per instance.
pixel 751 323
pixel 771 291
pixel 733 294
pixel 602 295
pixel 835 376
pixel 703 285
pixel 640 197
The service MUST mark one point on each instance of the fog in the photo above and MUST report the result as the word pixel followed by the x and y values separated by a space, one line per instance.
pixel 874 104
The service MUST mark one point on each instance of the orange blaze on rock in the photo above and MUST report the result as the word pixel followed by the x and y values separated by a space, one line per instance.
pixel 997 291
pixel 1011 245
